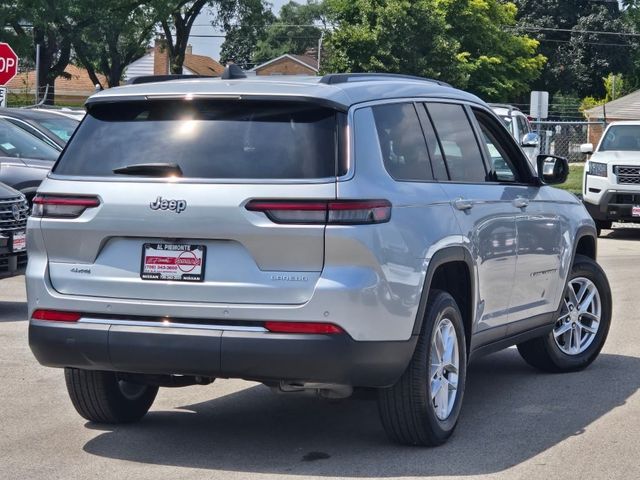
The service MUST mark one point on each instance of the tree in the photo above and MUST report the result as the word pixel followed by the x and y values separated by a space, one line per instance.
pixel 464 42
pixel 244 23
pixel 401 36
pixel 51 25
pixel 500 64
pixel 297 30
pixel 176 19
pixel 119 34
pixel 577 61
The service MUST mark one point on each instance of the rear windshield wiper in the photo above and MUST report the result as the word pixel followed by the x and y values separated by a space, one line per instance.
pixel 151 170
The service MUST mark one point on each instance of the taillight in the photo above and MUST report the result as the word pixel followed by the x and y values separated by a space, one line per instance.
pixel 303 327
pixel 333 212
pixel 62 206
pixel 56 316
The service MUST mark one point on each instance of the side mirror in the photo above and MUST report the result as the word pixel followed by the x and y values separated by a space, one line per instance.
pixel 586 148
pixel 552 170
pixel 531 139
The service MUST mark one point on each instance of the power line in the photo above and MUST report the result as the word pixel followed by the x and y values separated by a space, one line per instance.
pixel 588 43
pixel 569 30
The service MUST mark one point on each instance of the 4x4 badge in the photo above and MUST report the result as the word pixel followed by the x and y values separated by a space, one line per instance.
pixel 173 205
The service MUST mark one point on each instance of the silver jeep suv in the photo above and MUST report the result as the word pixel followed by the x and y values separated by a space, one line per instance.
pixel 308 233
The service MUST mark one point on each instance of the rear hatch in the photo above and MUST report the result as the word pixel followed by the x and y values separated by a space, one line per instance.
pixel 160 190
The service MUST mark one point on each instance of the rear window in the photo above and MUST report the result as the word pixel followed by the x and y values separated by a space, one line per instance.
pixel 208 139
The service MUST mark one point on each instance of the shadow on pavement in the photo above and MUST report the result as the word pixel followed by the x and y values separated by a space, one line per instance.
pixel 622 233
pixel 511 414
pixel 13 311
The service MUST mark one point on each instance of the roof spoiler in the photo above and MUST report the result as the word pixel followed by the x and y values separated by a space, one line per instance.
pixel 164 78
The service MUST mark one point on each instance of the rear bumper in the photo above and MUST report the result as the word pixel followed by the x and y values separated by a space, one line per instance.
pixel 250 355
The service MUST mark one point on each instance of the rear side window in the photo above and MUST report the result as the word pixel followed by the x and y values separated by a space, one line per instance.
pixel 461 150
pixel 402 142
pixel 208 139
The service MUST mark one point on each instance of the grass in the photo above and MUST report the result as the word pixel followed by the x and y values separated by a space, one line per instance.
pixel 574 182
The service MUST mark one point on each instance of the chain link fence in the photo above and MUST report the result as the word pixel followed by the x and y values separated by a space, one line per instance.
pixel 564 138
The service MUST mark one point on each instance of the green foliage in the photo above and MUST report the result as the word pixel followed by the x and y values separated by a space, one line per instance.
pixel 500 64
pixel 297 29
pixel 115 34
pixel 464 42
pixel 578 60
pixel 244 23
pixel 615 87
pixel 392 36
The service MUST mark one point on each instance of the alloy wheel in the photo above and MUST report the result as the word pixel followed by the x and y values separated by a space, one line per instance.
pixel 579 319
pixel 444 367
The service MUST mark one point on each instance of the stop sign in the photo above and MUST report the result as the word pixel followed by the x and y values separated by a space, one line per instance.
pixel 8 63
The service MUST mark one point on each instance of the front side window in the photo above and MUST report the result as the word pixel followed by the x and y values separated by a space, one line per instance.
pixel 402 142
pixel 500 148
pixel 459 146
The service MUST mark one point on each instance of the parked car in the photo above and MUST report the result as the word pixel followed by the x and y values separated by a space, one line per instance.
pixel 47 126
pixel 311 234
pixel 24 159
pixel 611 186
pixel 13 224
pixel 74 113
pixel 519 126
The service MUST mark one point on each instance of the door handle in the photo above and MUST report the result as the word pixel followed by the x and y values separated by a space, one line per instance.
pixel 521 202
pixel 462 204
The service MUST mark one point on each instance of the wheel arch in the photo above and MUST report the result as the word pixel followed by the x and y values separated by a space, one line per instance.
pixel 586 243
pixel 450 269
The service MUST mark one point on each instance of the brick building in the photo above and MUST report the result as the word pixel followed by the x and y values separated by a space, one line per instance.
pixel 289 64
pixel 621 109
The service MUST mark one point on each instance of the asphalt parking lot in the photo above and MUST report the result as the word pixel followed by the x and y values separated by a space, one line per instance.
pixel 516 422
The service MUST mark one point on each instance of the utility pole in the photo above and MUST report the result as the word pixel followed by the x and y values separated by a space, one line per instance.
pixel 37 82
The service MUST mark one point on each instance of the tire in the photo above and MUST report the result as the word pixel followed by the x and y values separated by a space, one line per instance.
pixel 603 225
pixel 102 398
pixel 577 347
pixel 408 413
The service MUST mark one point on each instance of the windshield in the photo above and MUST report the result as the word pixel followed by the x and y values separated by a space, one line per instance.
pixel 61 127
pixel 621 138
pixel 206 139
pixel 16 142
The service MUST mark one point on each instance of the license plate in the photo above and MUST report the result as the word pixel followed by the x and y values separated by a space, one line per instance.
pixel 635 211
pixel 173 261
pixel 19 242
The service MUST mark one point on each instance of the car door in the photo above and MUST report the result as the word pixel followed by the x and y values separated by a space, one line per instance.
pixel 539 228
pixel 484 211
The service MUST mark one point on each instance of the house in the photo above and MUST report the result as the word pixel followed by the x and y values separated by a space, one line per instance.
pixel 623 108
pixel 289 64
pixel 73 90
pixel 156 62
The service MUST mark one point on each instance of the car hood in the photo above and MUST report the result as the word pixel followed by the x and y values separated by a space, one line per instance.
pixel 7 191
pixel 617 157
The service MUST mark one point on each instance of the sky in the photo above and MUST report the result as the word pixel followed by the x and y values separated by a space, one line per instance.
pixel 211 46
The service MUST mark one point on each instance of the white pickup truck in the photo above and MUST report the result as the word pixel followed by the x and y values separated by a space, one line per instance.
pixel 611 186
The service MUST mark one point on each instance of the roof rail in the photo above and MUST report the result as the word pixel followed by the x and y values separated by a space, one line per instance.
pixel 164 78
pixel 336 78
